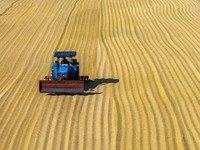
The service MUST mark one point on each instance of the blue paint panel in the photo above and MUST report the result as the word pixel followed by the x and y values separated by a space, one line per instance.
pixel 74 67
pixel 55 70
pixel 64 68
pixel 62 54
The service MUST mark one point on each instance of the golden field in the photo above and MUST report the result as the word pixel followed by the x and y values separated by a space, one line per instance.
pixel 144 58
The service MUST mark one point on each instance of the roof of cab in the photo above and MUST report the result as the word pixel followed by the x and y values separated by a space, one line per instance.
pixel 61 54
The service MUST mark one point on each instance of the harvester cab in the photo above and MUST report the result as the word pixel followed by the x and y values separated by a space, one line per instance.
pixel 65 75
pixel 65 69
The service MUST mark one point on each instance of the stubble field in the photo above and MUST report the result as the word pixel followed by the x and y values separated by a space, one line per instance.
pixel 143 58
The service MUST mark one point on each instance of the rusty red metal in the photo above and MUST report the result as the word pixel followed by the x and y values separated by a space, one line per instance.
pixel 61 86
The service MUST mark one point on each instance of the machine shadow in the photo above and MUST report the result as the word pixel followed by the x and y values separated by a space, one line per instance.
pixel 89 87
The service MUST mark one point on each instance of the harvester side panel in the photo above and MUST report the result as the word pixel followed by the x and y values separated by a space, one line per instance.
pixel 55 70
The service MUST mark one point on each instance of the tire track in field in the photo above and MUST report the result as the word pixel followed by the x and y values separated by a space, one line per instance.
pixel 90 107
pixel 184 96
pixel 179 25
pixel 151 47
pixel 95 132
pixel 148 103
pixel 122 21
pixel 53 131
pixel 65 26
pixel 8 8
pixel 74 134
pixel 22 55
pixel 112 44
pixel 194 41
pixel 106 51
pixel 118 105
pixel 6 31
pixel 166 64
pixel 6 78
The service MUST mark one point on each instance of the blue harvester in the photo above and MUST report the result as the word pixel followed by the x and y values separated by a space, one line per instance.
pixel 65 75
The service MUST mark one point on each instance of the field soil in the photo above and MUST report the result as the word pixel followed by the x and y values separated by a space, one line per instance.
pixel 143 59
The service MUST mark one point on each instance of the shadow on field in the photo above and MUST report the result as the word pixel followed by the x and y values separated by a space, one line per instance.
pixel 92 84
pixel 89 87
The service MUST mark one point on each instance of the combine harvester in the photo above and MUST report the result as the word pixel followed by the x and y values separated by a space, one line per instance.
pixel 65 75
